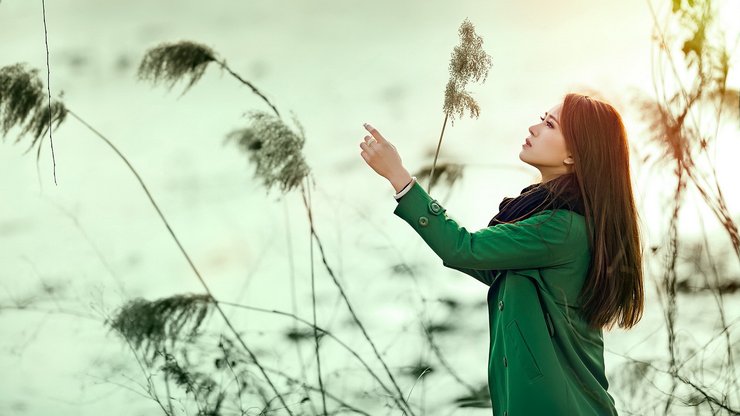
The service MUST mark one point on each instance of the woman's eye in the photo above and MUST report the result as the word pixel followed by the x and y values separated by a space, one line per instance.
pixel 548 123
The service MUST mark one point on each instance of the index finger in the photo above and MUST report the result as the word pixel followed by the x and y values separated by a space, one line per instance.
pixel 374 132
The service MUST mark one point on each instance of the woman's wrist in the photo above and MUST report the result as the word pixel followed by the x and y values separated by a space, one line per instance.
pixel 400 180
pixel 405 189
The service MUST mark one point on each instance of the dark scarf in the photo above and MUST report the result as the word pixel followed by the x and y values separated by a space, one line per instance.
pixel 539 197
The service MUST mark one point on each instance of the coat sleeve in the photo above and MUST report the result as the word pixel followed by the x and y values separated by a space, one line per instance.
pixel 483 276
pixel 549 238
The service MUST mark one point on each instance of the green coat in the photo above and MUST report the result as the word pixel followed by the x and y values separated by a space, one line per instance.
pixel 530 372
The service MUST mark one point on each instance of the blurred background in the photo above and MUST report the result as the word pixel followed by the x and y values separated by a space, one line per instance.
pixel 72 253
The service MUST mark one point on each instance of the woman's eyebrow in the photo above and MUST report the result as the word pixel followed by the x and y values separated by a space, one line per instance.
pixel 553 117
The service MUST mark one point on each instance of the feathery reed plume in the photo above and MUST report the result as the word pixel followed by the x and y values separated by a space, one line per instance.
pixel 172 61
pixel 449 173
pixel 469 63
pixel 20 95
pixel 676 124
pixel 275 149
pixel 148 325
pixel 208 395
pixel 22 104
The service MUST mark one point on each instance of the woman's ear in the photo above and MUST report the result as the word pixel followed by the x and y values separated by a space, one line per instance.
pixel 569 161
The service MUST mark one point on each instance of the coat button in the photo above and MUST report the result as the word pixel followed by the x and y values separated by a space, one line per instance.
pixel 434 207
pixel 501 305
pixel 505 363
pixel 423 221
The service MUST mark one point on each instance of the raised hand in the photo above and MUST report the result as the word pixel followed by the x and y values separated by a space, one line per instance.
pixel 382 156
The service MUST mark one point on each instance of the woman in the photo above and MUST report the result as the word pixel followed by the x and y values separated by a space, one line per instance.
pixel 562 260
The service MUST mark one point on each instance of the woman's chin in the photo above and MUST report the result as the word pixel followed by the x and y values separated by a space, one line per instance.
pixel 526 160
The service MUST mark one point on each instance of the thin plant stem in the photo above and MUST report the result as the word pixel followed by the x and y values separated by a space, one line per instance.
pixel 255 90
pixel 443 361
pixel 426 370
pixel 721 212
pixel 223 65
pixel 167 391
pixel 328 394
pixel 685 166
pixel 48 89
pixel 151 389
pixel 189 382
pixel 313 306
pixel 439 144
pixel 293 300
pixel 718 298
pixel 116 278
pixel 708 397
pixel 349 306
pixel 187 257
pixel 327 332
pixel 429 337
pixel 233 373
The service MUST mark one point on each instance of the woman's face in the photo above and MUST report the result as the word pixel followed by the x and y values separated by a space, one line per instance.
pixel 546 150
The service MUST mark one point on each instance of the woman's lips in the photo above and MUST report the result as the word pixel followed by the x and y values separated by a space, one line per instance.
pixel 527 143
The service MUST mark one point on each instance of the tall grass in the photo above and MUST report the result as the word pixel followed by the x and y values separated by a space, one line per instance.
pixel 213 372
pixel 21 106
pixel 698 63
pixel 469 63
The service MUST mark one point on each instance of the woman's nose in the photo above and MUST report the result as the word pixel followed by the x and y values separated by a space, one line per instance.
pixel 530 130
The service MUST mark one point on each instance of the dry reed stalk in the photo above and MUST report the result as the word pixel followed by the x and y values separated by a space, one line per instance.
pixel 468 63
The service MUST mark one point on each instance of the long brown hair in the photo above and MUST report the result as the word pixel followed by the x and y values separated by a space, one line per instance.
pixel 596 137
